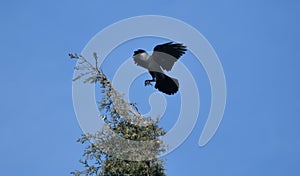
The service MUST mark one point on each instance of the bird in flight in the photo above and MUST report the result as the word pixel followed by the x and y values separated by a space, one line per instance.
pixel 163 58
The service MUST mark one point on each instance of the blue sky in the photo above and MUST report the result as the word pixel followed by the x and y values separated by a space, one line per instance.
pixel 256 41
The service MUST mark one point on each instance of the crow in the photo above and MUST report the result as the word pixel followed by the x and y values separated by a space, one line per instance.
pixel 163 58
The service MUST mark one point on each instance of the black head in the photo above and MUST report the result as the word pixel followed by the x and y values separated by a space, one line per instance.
pixel 139 51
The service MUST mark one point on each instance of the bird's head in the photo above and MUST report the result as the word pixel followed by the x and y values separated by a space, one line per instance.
pixel 140 57
pixel 139 51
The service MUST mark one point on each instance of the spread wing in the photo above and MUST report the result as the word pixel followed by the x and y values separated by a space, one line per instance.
pixel 167 54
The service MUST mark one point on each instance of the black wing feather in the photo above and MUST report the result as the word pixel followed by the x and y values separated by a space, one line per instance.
pixel 167 54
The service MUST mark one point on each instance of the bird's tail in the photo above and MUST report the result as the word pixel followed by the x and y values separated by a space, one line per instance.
pixel 167 84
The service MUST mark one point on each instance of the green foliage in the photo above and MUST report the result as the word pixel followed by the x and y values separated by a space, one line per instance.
pixel 129 144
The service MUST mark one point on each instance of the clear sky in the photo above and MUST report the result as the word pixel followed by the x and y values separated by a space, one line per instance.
pixel 257 42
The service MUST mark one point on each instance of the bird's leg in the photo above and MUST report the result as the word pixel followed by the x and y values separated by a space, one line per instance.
pixel 148 82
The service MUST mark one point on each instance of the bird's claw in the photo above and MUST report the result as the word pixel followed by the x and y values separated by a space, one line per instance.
pixel 147 83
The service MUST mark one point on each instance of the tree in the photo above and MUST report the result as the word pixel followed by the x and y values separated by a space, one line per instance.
pixel 129 144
